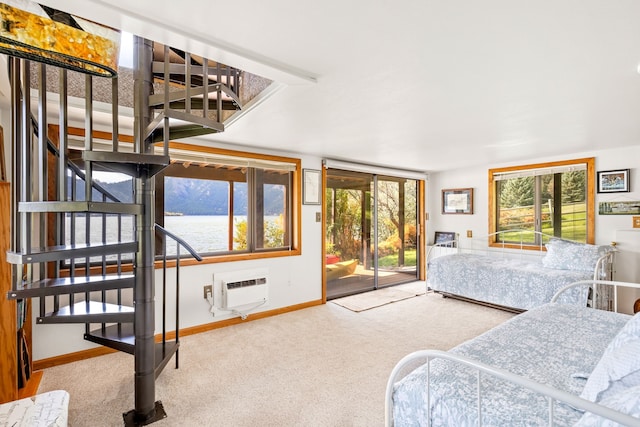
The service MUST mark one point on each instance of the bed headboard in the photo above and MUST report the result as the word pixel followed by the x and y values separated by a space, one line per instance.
pixel 528 245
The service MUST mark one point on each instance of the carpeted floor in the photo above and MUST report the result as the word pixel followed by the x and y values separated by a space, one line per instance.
pixel 379 297
pixel 321 366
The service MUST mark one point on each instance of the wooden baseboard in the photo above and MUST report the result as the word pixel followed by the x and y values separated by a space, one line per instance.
pixel 31 388
pixel 39 365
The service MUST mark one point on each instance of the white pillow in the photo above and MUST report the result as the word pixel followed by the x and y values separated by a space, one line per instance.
pixel 568 255
pixel 629 332
pixel 619 366
pixel 627 402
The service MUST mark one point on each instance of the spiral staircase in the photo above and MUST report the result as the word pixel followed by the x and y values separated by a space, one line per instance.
pixel 86 255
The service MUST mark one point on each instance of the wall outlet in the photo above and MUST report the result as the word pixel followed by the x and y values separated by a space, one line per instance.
pixel 208 289
pixel 318 216
pixel 636 222
pixel 469 234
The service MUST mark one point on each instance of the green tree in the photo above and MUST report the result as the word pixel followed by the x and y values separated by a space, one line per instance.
pixel 240 236
pixel 388 209
pixel 273 234
pixel 574 187
pixel 390 232
pixel 516 192
pixel 345 230
pixel 547 187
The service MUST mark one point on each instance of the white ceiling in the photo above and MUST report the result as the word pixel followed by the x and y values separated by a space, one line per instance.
pixel 426 85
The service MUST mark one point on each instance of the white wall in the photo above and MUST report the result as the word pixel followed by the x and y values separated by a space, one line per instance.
pixel 295 280
pixel 292 280
pixel 609 228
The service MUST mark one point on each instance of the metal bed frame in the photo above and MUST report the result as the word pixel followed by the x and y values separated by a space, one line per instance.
pixel 519 247
pixel 553 395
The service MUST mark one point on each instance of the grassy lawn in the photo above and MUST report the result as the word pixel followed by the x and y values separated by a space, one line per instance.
pixel 574 220
pixel 392 260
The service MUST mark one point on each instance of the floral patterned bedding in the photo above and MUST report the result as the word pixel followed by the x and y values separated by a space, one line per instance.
pixel 50 409
pixel 555 344
pixel 516 283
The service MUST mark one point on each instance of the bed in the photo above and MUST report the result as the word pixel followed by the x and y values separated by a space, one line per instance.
pixel 556 364
pixel 50 409
pixel 511 274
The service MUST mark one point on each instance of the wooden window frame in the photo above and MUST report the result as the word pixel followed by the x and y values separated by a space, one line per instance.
pixel 296 200
pixel 589 162
pixel 296 206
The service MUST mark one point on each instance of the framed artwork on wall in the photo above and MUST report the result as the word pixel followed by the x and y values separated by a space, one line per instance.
pixel 445 238
pixel 619 208
pixel 614 181
pixel 457 201
pixel 311 189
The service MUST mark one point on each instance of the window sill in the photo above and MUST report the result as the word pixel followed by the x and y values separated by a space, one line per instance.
pixel 184 262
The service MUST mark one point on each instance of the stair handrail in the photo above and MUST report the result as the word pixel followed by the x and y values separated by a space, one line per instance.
pixel 180 242
pixel 75 168
pixel 106 193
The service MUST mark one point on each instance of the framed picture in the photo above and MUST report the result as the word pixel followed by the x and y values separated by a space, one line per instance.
pixel 615 181
pixel 311 194
pixel 445 238
pixel 457 201
pixel 620 208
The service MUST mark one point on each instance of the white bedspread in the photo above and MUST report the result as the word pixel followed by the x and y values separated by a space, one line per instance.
pixel 44 410
pixel 504 281
pixel 554 344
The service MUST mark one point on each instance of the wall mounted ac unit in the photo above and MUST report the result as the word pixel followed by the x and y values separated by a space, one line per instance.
pixel 242 288
pixel 243 292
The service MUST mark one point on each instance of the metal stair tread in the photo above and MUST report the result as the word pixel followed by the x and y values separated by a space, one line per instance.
pixel 66 285
pixel 90 312
pixel 122 338
pixel 163 354
pixel 57 253
pixel 119 336
pixel 183 131
pixel 132 164
pixel 198 125
pixel 81 206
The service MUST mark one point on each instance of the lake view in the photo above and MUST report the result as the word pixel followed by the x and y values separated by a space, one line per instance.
pixel 204 233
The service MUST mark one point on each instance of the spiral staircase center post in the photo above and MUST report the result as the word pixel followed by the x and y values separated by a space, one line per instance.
pixel 144 294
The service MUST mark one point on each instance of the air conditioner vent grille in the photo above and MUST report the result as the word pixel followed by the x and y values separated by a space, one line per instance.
pixel 245 283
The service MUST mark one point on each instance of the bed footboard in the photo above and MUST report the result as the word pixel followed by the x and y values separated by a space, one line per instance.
pixel 598 287
pixel 553 395
pixel 477 380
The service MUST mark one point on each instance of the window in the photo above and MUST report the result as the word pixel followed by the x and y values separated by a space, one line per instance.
pixel 555 198
pixel 229 203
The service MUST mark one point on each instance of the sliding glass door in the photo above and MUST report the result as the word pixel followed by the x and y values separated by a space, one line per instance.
pixel 371 232
pixel 396 230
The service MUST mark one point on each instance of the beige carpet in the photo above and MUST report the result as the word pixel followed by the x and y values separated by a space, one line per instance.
pixel 321 366
pixel 380 297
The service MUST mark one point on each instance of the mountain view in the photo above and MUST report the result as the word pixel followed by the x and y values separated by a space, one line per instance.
pixel 197 196
pixel 122 190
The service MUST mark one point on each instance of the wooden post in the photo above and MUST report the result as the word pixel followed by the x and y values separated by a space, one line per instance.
pixel 8 315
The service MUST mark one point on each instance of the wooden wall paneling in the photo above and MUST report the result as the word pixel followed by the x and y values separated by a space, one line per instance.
pixel 8 314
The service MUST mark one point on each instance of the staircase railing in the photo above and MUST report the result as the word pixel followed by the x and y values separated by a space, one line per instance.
pixel 71 260
pixel 165 235
pixel 165 238
pixel 67 234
